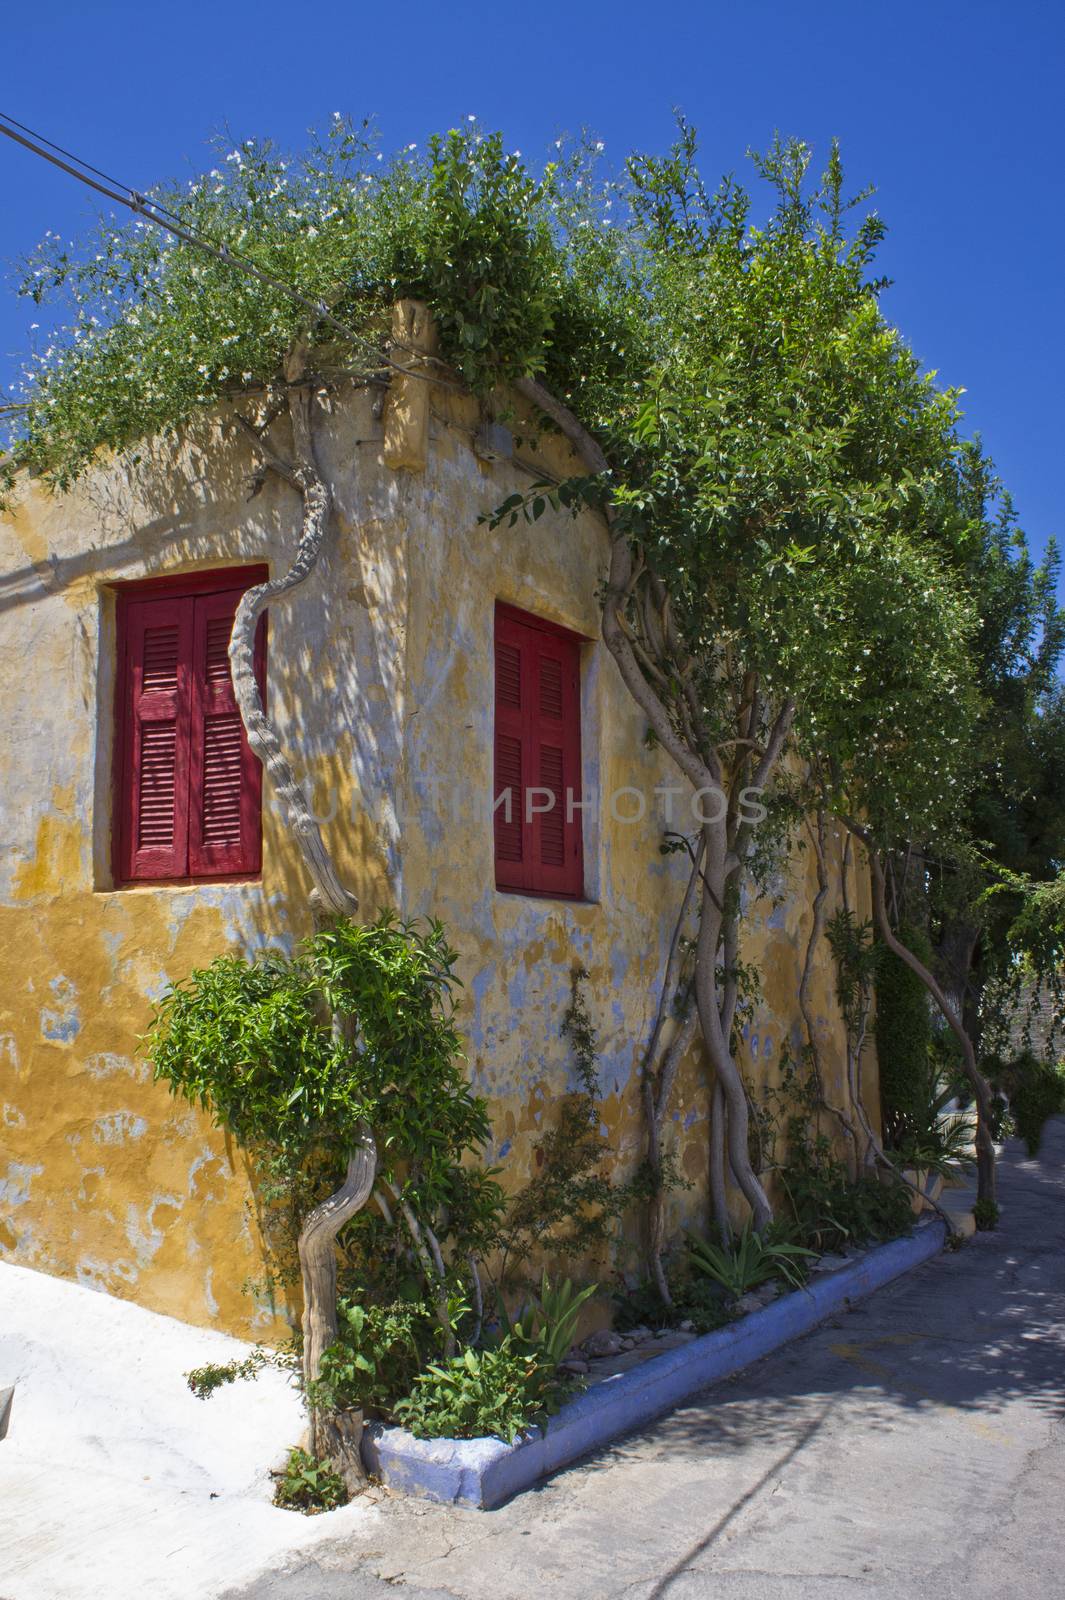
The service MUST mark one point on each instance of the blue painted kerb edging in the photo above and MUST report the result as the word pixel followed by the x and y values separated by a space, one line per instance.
pixel 485 1472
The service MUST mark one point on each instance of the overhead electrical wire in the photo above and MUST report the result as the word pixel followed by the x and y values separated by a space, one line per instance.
pixel 152 211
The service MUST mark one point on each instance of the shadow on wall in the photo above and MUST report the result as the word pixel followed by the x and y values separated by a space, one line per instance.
pixel 110 1181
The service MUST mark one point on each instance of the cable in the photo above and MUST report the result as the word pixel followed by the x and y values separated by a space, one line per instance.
pixel 147 208
pixel 142 206
pixel 87 165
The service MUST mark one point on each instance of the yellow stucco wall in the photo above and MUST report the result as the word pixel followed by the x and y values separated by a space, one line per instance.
pixel 380 678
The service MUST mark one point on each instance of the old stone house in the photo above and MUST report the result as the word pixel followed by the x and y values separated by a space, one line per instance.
pixel 424 655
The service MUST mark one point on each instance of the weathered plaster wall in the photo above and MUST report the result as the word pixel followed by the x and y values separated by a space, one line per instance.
pixel 103 1177
pixel 518 951
pixel 380 676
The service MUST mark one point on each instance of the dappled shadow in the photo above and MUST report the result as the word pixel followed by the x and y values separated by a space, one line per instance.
pixel 971 1330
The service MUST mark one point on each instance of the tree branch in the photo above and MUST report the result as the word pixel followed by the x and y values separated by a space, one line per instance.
pixel 330 896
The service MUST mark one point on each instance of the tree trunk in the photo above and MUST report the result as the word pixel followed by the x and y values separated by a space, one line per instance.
pixel 335 1438
pixel 719 1216
pixel 658 1083
pixel 698 761
pixel 817 928
pixel 328 895
pixel 985 1144
pixel 719 1049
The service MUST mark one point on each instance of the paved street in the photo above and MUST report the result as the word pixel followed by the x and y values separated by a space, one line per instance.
pixel 912 1449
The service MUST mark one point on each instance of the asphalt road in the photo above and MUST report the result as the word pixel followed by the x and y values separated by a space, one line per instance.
pixel 913 1449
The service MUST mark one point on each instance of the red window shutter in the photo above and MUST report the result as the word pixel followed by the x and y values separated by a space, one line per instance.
pixel 225 779
pixel 538 837
pixel 187 788
pixel 154 782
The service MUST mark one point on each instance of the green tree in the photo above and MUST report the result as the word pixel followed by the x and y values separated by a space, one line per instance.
pixel 785 595
pixel 342 1060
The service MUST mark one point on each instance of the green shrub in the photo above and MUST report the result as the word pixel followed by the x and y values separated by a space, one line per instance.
pixel 500 1392
pixel 828 1211
pixel 749 1261
pixel 378 1354
pixel 1035 1090
pixel 985 1215
pixel 254 1043
pixel 903 1036
pixel 308 1485
pixel 695 1299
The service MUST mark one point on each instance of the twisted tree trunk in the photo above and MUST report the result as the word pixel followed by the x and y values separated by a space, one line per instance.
pixel 658 1080
pixel 692 751
pixel 333 1437
pixel 985 1144
pixel 329 895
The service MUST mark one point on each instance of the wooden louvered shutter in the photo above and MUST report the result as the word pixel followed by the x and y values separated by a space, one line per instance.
pixel 225 779
pixel 556 762
pixel 509 792
pixel 538 842
pixel 154 775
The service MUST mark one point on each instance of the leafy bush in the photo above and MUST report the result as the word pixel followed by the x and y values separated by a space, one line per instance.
pixel 985 1215
pixel 500 1392
pixel 375 1359
pixel 308 1485
pixel 903 1036
pixel 1035 1090
pixel 828 1211
pixel 750 1261
pixel 253 1043
pixel 695 1299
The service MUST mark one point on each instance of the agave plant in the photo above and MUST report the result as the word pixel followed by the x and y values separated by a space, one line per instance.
pixel 750 1261
pixel 549 1322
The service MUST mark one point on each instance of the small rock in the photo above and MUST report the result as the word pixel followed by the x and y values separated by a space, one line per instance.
pixel 663 1333
pixel 748 1303
pixel 573 1369
pixel 604 1343
pixel 640 1335
pixel 627 1344
pixel 687 1326
pixel 829 1263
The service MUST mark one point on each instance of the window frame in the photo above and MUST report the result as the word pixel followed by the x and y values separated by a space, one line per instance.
pixel 183 586
pixel 535 876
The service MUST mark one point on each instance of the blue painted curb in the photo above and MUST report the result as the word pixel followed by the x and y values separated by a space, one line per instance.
pixel 485 1472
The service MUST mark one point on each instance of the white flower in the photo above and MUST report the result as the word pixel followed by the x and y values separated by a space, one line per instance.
pixel 599 145
pixel 471 117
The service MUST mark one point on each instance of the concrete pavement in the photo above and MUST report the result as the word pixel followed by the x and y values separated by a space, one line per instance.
pixel 912 1449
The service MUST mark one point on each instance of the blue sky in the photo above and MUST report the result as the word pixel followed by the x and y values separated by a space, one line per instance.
pixel 952 109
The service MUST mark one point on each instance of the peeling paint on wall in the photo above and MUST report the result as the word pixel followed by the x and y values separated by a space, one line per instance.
pixel 380 676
